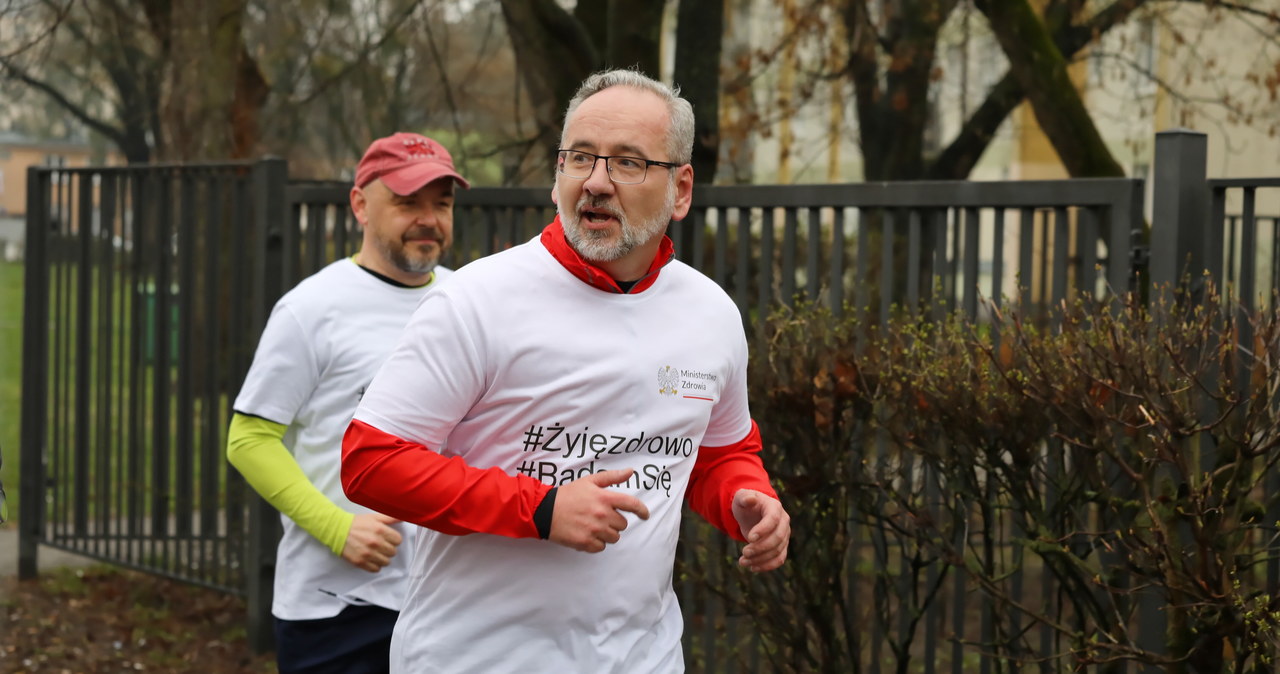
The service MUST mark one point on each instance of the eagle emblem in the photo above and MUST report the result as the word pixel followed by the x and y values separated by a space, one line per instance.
pixel 668 380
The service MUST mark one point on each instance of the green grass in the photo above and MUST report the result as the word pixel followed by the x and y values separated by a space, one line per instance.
pixel 124 427
pixel 10 377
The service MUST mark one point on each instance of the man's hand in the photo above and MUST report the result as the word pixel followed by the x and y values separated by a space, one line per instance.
pixel 372 542
pixel 587 516
pixel 767 528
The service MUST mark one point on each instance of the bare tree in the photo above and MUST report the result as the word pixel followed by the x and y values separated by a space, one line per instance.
pixel 170 80
pixel 556 49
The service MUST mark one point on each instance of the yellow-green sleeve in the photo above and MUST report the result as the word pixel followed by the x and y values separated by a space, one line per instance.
pixel 256 448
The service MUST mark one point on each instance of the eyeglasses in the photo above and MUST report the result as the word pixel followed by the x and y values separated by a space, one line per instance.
pixel 578 165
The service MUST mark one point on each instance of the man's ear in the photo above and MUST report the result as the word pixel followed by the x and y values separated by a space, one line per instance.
pixel 684 192
pixel 358 204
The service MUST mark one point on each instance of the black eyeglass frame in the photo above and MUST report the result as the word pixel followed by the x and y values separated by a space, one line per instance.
pixel 606 157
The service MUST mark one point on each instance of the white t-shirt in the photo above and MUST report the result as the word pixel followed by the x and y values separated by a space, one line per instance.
pixel 515 363
pixel 321 346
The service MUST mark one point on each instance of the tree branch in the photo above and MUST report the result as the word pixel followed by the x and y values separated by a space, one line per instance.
pixel 59 14
pixel 116 134
pixel 438 60
pixel 363 55
pixel 957 160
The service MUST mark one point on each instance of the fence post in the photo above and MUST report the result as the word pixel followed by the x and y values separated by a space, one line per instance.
pixel 270 179
pixel 35 371
pixel 1186 254
pixel 1181 242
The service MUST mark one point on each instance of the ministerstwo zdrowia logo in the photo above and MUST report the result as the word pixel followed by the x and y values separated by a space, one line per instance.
pixel 668 380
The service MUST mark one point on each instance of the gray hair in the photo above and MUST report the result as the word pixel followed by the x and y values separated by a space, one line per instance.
pixel 679 133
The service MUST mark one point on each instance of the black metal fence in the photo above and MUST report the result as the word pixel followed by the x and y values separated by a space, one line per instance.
pixel 146 288
pixel 143 289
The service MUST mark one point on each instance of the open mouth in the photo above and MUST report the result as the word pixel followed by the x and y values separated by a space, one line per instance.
pixel 598 216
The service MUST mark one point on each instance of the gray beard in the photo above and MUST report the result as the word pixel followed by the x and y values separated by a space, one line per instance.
pixel 593 245
pixel 411 266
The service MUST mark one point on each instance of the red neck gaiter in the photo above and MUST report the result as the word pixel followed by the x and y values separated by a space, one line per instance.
pixel 554 241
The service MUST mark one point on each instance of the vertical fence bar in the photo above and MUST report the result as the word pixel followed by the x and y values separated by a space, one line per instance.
pixel 742 264
pixel 343 243
pixel 63 313
pixel 766 261
pixel 1219 222
pixel 216 360
pixel 989 649
pixel 83 337
pixel 286 230
pixel 1248 307
pixel 933 575
pixel 1051 458
pixel 997 260
pixel 35 371
pixel 1026 248
pixel 698 253
pixel 939 291
pixel 127 216
pixel 881 627
pixel 241 344
pixel 269 212
pixel 958 577
pixel 1016 583
pixel 861 265
pixel 971 226
pixel 161 379
pixel 107 331
pixel 791 224
pixel 188 215
pixel 1061 254
pixel 142 204
pixel 914 251
pixel 721 253
pixel 1248 275
pixel 1274 296
pixel 316 255
pixel 836 296
pixel 955 251
pixel 1125 219
pixel 813 256
pixel 887 269
pixel 1087 245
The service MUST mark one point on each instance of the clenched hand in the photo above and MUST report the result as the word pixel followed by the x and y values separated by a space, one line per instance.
pixel 372 542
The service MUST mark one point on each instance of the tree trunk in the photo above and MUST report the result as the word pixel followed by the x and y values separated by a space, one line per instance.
pixel 553 55
pixel 635 35
pixel 251 91
pixel 1038 65
pixel 892 106
pixel 699 39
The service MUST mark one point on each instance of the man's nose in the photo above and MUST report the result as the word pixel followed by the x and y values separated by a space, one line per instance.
pixel 428 217
pixel 599 182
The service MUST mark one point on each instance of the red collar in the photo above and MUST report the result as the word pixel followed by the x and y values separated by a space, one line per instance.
pixel 555 243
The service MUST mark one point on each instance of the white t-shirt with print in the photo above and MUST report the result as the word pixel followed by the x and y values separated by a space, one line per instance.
pixel 515 363
pixel 321 346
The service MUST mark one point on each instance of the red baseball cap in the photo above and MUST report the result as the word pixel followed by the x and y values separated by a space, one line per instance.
pixel 404 162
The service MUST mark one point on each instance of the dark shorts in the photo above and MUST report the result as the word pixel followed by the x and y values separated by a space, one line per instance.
pixel 356 641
